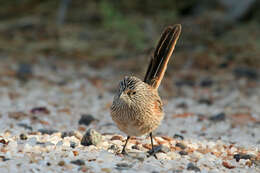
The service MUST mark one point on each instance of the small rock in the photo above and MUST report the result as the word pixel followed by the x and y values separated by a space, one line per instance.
pixel 3 141
pixel 223 65
pixel 78 162
pixel 237 157
pixel 227 165
pixel 207 82
pixel 73 144
pixel 23 136
pixel 176 136
pixel 183 131
pixel 183 152
pixel 43 110
pixel 86 119
pixel 67 134
pixel 181 145
pixel 242 156
pixel 218 117
pixel 91 137
pixel 182 105
pixel 192 167
pixel 135 147
pixel 25 126
pixel 24 71
pixel 62 82
pixel 40 143
pixel 47 131
pixel 205 101
pixel 75 153
pixel 48 164
pixel 3 158
pixel 245 72
pixel 61 163
pixel 123 166
pixel 246 156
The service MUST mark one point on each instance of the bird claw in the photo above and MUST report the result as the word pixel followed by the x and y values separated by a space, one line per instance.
pixel 124 152
pixel 152 153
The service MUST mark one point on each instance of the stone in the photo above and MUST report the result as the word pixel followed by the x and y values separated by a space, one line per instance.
pixel 183 153
pixel 177 136
pixel 123 166
pixel 61 163
pixel 242 156
pixel 73 144
pixel 23 136
pixel 47 131
pixel 67 134
pixel 91 137
pixel 181 145
pixel 78 162
pixel 42 110
pixel 205 101
pixel 192 167
pixel 207 82
pixel 26 126
pixel 247 72
pixel 218 117
pixel 24 71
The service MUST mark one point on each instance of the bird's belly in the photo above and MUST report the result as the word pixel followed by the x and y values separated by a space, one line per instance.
pixel 138 124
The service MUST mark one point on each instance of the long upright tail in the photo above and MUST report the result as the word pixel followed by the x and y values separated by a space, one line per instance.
pixel 162 54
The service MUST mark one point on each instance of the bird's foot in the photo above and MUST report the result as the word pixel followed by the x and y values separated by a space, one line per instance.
pixel 152 153
pixel 155 150
pixel 124 152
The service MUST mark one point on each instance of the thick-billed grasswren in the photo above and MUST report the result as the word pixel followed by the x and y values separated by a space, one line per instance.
pixel 137 108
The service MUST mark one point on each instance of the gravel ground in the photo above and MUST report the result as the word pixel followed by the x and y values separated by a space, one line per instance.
pixel 211 123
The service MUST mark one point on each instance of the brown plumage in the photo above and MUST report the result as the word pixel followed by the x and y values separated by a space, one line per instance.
pixel 137 107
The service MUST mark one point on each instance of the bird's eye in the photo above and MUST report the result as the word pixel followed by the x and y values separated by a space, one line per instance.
pixel 129 93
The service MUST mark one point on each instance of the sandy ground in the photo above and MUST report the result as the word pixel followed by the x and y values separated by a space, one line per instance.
pixel 211 124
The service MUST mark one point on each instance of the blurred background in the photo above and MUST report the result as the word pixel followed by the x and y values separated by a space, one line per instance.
pixel 216 34
pixel 116 38
pixel 64 59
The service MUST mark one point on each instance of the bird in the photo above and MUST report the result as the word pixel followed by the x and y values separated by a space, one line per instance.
pixel 137 108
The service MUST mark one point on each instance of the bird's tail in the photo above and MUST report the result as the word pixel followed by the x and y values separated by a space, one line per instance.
pixel 161 56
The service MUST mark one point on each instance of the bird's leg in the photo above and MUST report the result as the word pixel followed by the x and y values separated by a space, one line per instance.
pixel 127 139
pixel 153 151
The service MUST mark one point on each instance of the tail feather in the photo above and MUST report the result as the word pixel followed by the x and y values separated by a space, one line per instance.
pixel 162 54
